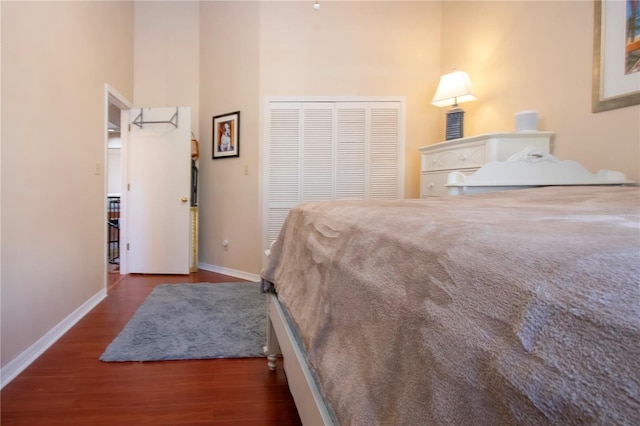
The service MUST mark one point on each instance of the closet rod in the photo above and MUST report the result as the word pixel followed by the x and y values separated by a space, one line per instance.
pixel 139 120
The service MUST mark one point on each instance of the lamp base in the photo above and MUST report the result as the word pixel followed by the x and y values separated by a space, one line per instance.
pixel 455 123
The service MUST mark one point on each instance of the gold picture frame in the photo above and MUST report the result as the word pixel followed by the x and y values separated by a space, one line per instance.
pixel 611 71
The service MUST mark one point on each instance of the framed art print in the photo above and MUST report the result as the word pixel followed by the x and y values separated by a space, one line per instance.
pixel 616 54
pixel 226 135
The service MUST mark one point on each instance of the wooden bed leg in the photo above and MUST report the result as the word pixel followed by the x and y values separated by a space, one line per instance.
pixel 273 348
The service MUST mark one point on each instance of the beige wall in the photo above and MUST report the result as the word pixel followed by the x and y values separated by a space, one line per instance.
pixel 56 59
pixel 538 55
pixel 166 55
pixel 355 48
pixel 229 78
pixel 250 50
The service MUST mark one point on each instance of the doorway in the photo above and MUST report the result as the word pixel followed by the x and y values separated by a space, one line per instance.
pixel 114 191
pixel 116 106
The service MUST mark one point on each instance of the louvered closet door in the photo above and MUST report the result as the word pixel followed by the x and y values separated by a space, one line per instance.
pixel 317 151
pixel 351 150
pixel 330 150
pixel 385 151
pixel 282 168
pixel 368 150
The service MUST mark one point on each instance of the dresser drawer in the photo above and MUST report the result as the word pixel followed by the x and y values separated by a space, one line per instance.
pixel 467 155
pixel 432 184
pixel 457 158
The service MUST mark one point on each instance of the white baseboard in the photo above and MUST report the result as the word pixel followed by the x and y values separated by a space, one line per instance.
pixel 231 272
pixel 23 360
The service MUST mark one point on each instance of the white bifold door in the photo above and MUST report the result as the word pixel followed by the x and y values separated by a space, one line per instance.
pixel 158 190
pixel 330 150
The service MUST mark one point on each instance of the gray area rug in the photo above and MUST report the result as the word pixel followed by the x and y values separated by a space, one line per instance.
pixel 194 321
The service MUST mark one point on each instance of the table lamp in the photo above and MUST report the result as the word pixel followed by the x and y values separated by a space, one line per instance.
pixel 454 88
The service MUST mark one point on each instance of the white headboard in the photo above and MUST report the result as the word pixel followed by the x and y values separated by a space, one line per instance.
pixel 529 168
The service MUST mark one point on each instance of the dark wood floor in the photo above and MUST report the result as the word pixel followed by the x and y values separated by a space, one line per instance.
pixel 68 385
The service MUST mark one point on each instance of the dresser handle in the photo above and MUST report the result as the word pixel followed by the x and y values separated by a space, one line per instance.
pixel 431 185
pixel 463 157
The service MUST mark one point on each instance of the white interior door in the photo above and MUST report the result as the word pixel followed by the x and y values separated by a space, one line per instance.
pixel 158 191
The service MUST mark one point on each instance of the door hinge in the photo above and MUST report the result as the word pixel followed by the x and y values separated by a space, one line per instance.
pixel 128 187
pixel 127 246
pixel 129 126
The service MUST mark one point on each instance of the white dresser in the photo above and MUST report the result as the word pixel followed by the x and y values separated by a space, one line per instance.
pixel 466 155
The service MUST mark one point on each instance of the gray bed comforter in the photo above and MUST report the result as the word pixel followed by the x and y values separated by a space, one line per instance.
pixel 514 307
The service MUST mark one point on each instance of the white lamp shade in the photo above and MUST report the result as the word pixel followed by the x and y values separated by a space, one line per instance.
pixel 454 88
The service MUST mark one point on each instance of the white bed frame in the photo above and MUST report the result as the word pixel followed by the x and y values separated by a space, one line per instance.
pixel 527 169
pixel 305 392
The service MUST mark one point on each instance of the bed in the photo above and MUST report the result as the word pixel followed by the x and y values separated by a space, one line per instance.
pixel 510 307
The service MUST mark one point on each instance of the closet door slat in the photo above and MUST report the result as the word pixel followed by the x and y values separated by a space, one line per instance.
pixel 351 140
pixel 317 152
pixel 384 153
pixel 282 168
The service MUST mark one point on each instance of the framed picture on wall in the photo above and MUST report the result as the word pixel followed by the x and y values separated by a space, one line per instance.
pixel 226 135
pixel 616 54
